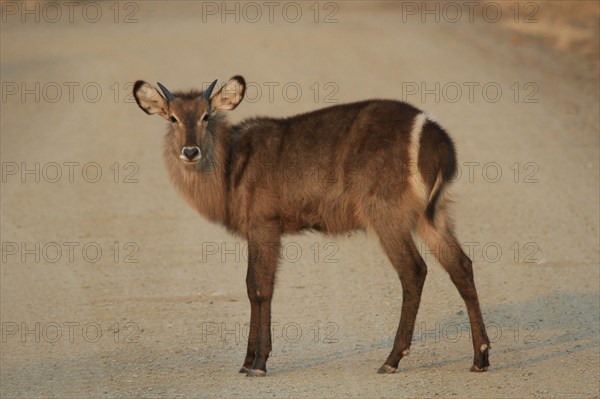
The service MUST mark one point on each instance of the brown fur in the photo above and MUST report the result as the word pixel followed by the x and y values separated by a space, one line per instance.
pixel 346 167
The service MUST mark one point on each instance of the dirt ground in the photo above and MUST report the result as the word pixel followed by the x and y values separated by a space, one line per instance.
pixel 111 286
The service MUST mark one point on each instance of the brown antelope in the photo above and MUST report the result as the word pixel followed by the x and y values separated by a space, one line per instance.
pixel 381 165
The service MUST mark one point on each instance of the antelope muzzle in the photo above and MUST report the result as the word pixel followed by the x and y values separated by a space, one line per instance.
pixel 190 154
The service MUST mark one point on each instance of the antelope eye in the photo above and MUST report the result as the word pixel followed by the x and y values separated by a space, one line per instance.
pixel 173 119
pixel 205 117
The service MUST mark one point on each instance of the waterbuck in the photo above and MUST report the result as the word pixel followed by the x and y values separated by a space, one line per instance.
pixel 382 165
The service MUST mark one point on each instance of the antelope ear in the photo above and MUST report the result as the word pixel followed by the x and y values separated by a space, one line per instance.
pixel 150 100
pixel 230 95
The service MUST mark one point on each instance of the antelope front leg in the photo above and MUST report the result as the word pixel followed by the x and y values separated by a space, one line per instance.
pixel 263 253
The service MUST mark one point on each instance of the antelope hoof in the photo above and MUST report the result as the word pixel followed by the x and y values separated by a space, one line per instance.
pixel 256 373
pixel 244 370
pixel 483 362
pixel 386 369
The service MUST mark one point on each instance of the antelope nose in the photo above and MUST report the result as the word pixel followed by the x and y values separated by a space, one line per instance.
pixel 190 153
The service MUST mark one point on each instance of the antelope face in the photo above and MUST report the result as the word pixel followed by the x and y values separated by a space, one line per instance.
pixel 193 116
pixel 188 116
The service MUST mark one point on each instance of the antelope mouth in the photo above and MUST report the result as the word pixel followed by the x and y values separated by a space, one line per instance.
pixel 190 161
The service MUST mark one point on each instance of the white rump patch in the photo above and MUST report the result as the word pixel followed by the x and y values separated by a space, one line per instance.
pixel 414 176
